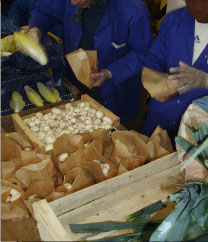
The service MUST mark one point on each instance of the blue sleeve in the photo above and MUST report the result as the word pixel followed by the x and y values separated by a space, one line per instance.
pixel 139 41
pixel 157 57
pixel 46 14
pixel 18 12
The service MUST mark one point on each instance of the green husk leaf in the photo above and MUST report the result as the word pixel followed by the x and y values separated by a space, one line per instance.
pixel 102 227
pixel 203 238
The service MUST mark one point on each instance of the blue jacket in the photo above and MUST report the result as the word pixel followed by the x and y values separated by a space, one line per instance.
pixel 122 40
pixel 174 43
pixel 20 13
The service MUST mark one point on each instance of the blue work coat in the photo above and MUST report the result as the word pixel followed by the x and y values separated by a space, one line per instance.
pixel 122 39
pixel 20 13
pixel 174 43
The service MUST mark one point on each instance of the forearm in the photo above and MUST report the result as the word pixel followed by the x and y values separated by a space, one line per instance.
pixel 45 15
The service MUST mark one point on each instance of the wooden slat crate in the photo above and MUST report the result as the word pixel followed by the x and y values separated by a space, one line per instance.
pixel 113 199
pixel 20 125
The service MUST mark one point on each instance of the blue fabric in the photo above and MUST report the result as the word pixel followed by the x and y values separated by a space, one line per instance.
pixel 90 20
pixel 202 102
pixel 20 13
pixel 174 43
pixel 124 22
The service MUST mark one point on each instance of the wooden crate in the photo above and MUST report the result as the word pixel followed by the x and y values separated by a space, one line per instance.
pixel 20 125
pixel 113 199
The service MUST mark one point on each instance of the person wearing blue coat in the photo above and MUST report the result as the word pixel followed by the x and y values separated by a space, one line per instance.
pixel 173 47
pixel 20 13
pixel 120 32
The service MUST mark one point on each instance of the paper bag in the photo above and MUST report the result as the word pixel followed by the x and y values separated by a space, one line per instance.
pixel 127 144
pixel 12 210
pixel 83 64
pixel 158 85
pixel 20 139
pixel 159 144
pixel 9 149
pixel 67 143
pixel 39 171
pixel 79 178
pixel 8 168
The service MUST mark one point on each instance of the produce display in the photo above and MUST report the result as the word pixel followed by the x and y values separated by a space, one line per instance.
pixel 188 221
pixel 77 161
pixel 52 96
pixel 74 119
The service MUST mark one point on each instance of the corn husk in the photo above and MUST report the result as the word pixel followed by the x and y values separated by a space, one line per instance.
pixel 46 93
pixel 17 103
pixel 33 48
pixel 57 95
pixel 8 44
pixel 33 96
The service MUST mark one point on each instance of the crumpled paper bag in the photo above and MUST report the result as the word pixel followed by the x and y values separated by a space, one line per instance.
pixel 43 170
pixel 158 85
pixel 127 144
pixel 83 64
pixel 12 210
pixel 67 143
pixel 79 178
pixel 159 144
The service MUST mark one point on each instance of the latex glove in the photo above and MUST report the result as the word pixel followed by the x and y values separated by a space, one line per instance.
pixel 185 78
pixel 33 33
pixel 100 77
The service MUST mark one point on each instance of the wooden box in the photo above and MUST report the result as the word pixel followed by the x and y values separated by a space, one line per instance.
pixel 112 199
pixel 20 125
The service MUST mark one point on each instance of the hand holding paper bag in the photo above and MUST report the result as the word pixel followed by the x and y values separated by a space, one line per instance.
pixel 83 64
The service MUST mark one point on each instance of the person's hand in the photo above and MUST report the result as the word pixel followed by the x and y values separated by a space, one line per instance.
pixel 100 77
pixel 195 171
pixel 35 34
pixel 185 78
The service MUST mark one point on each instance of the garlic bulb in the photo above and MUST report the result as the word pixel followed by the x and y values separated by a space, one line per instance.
pixel 13 196
pixel 68 186
pixel 62 157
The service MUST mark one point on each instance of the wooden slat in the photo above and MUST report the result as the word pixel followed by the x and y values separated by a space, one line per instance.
pixel 21 127
pixel 91 193
pixel 96 105
pixel 114 206
pixel 49 226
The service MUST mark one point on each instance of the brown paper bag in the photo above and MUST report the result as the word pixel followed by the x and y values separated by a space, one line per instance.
pixel 67 143
pixel 8 168
pixel 20 139
pixel 12 210
pixel 54 195
pixel 158 85
pixel 79 178
pixel 126 144
pixel 83 64
pixel 9 149
pixel 43 170
pixel 159 144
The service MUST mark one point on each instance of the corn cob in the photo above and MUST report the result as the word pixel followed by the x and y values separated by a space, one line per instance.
pixel 31 47
pixel 46 93
pixel 17 103
pixel 56 94
pixel 34 96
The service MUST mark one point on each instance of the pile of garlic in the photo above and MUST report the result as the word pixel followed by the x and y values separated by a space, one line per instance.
pixel 74 119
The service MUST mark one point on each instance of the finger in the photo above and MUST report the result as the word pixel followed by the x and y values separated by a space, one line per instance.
pixel 183 89
pixel 180 75
pixel 182 64
pixel 95 76
pixel 175 69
